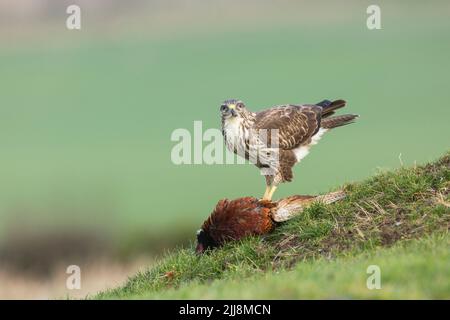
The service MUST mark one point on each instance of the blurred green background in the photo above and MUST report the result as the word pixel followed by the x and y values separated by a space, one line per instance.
pixel 86 116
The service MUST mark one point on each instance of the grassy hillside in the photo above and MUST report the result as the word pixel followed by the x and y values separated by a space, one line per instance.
pixel 398 220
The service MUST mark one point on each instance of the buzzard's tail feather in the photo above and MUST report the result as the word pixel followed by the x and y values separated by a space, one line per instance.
pixel 338 121
pixel 328 107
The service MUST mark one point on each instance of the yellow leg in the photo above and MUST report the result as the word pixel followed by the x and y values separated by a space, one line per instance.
pixel 270 190
pixel 266 193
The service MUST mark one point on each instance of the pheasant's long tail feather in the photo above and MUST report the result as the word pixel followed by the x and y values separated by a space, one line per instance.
pixel 292 206
pixel 331 197
pixel 288 207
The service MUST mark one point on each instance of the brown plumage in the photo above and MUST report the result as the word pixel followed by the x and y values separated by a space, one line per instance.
pixel 242 217
pixel 277 138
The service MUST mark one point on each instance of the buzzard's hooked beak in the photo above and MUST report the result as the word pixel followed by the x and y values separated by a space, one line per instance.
pixel 232 109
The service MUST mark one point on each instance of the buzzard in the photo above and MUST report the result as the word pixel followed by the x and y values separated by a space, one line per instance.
pixel 238 218
pixel 277 138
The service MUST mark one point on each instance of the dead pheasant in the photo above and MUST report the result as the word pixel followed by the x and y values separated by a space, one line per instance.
pixel 242 217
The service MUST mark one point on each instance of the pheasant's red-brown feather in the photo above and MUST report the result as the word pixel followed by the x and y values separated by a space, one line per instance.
pixel 235 219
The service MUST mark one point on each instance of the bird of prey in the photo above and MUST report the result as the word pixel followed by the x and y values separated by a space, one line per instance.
pixel 236 219
pixel 277 138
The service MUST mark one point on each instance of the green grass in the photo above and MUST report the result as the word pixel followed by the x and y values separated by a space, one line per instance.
pixel 417 270
pixel 398 220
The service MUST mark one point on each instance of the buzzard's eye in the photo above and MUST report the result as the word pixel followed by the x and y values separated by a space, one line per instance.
pixel 223 108
pixel 239 106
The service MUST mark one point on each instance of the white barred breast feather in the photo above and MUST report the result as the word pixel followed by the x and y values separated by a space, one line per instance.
pixel 235 134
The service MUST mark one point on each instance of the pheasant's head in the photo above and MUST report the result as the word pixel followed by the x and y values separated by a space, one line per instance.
pixel 204 241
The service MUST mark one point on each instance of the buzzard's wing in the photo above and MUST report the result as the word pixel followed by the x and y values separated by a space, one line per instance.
pixel 295 124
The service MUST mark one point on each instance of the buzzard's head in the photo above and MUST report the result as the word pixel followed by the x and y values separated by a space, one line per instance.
pixel 232 108
pixel 204 241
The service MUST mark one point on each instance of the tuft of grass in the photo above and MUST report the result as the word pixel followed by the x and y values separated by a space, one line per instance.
pixel 393 206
